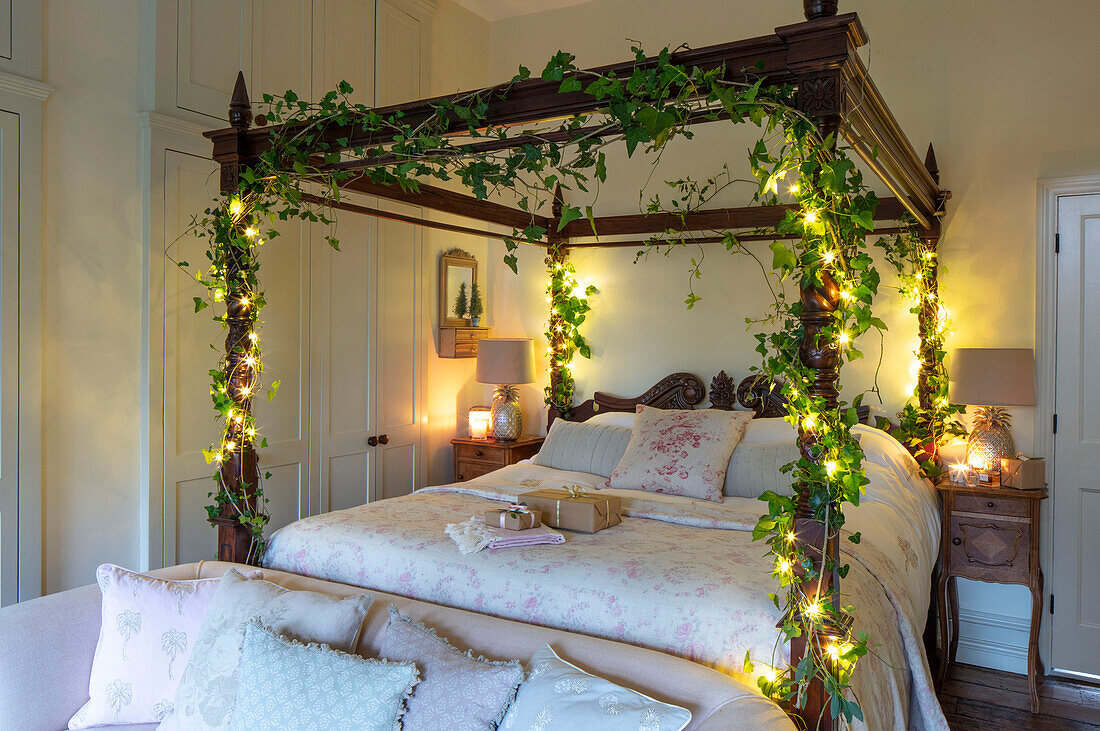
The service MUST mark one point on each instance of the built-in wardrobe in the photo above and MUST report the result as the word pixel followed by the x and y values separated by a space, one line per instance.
pixel 345 332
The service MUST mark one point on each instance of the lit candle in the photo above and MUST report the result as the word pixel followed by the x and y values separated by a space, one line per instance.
pixel 479 422
pixel 960 471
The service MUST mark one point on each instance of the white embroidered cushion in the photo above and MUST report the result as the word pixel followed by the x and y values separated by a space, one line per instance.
pixel 558 694
pixel 147 631
pixel 583 447
pixel 207 691
pixel 680 452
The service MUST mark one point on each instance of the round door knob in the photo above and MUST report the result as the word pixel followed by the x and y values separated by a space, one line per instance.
pixel 956 541
pixel 372 441
pixel 461 478
pixel 479 453
pixel 989 504
pixel 384 439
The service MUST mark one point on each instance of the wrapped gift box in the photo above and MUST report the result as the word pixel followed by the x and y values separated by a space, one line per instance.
pixel 512 519
pixel 585 512
pixel 1023 474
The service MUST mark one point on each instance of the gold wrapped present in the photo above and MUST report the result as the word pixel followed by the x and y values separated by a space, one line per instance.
pixel 1023 473
pixel 572 508
pixel 513 517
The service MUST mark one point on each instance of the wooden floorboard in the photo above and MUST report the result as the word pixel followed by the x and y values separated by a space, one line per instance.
pixel 978 699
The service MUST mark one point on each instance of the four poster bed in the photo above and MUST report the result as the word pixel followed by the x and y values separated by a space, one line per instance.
pixel 664 578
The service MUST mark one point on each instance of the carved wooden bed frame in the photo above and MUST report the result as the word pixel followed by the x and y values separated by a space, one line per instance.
pixel 820 57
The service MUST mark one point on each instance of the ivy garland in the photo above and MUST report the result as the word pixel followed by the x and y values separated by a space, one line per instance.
pixel 299 177
pixel 923 429
pixel 568 300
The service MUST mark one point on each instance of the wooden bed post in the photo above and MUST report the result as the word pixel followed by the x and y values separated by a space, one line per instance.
pixel 239 470
pixel 556 254
pixel 929 308
pixel 821 98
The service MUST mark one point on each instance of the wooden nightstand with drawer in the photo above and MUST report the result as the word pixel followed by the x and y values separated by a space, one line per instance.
pixel 989 534
pixel 476 457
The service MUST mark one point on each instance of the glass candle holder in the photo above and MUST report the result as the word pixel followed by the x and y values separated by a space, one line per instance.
pixel 963 474
pixel 479 422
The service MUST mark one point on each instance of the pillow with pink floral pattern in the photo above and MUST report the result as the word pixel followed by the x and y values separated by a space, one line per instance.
pixel 680 452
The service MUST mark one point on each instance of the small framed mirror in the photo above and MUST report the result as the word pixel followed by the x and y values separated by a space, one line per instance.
pixel 457 277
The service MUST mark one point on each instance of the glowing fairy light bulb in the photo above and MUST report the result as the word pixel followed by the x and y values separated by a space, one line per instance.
pixel 235 207
pixel 794 189
pixel 790 536
pixel 230 446
pixel 847 294
pixel 833 651
pixel 828 256
pixel 250 361
pixel 830 467
pixel 844 338
pixel 238 419
pixel 783 565
pixel 812 610
pixel 808 423
pixel 253 337
pixel 218 457
pixel 250 232
pixel 244 301
pixel 250 431
pixel 810 216
pixel 244 391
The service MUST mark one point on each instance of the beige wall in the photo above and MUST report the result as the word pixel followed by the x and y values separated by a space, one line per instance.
pixel 1002 87
pixel 92 290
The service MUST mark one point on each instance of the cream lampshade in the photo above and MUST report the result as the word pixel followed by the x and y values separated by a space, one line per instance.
pixel 506 362
pixel 992 378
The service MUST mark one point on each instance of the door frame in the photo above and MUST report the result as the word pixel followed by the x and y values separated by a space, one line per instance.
pixel 1046 328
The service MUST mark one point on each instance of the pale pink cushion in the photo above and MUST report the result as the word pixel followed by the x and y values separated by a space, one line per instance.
pixel 680 452
pixel 147 631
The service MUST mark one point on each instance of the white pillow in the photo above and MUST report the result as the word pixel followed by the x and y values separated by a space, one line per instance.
pixel 583 447
pixel 680 451
pixel 772 429
pixel 558 694
pixel 756 467
pixel 146 635
pixel 613 418
pixel 207 692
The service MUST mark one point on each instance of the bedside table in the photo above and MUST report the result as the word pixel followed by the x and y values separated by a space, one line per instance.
pixel 476 457
pixel 989 534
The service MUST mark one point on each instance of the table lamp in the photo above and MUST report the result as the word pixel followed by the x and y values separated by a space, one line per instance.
pixel 506 362
pixel 992 378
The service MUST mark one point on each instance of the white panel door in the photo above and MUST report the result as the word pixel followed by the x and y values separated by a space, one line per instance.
pixel 342 373
pixel 1076 585
pixel 398 356
pixel 400 54
pixel 281 31
pixel 190 182
pixel 213 43
pixel 344 47
pixel 9 357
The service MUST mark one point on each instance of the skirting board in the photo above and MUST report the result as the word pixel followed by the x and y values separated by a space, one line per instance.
pixel 993 641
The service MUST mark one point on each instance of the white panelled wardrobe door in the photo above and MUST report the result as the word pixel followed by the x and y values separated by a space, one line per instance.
pixel 342 369
pixel 188 417
pixel 1076 494
pixel 398 355
pixel 9 357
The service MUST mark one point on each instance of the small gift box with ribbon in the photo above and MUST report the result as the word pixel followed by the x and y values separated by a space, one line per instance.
pixel 571 508
pixel 516 516
pixel 1023 473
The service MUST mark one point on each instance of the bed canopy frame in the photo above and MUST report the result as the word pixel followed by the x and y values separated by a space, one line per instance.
pixel 818 56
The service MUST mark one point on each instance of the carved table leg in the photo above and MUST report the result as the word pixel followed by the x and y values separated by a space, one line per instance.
pixel 1034 666
pixel 941 610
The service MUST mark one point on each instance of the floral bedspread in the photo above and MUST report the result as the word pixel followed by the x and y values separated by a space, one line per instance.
pixel 678 575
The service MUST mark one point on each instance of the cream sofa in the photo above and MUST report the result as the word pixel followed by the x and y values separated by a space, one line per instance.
pixel 47 645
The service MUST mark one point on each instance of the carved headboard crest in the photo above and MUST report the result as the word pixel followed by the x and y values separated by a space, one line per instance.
pixel 686 391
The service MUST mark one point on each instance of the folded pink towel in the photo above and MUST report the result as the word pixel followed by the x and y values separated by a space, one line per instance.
pixel 474 535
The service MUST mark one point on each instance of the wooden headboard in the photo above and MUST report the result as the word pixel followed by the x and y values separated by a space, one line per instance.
pixel 686 391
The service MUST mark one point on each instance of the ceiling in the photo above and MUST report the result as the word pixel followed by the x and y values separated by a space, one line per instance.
pixel 498 9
